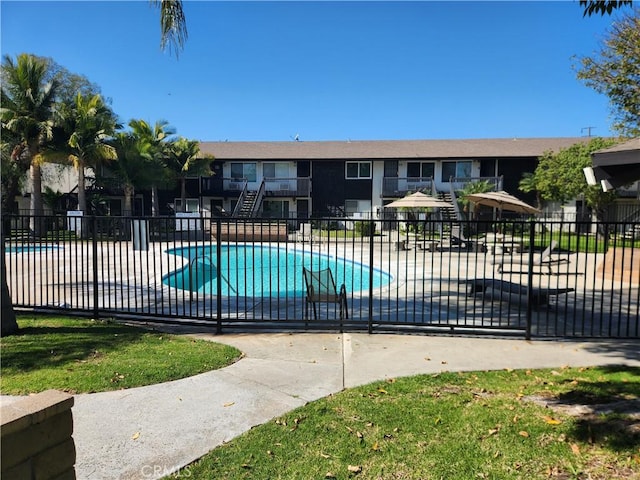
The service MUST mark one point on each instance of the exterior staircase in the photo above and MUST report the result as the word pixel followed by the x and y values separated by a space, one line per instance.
pixel 246 209
pixel 449 214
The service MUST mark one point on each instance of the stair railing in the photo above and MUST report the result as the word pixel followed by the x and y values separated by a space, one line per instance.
pixel 257 201
pixel 241 198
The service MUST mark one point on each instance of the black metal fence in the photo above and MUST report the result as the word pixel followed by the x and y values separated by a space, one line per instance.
pixel 529 278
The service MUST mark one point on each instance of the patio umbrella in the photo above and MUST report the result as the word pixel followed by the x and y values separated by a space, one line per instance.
pixel 418 200
pixel 502 201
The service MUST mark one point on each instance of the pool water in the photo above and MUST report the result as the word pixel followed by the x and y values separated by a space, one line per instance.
pixel 29 248
pixel 263 271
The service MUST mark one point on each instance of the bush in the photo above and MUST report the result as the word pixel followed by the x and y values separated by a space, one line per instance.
pixel 366 229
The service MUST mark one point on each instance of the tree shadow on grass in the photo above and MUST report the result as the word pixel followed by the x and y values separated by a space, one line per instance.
pixel 39 346
pixel 607 412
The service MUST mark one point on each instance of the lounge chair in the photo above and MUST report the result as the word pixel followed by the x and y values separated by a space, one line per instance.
pixel 496 289
pixel 544 261
pixel 321 288
pixel 304 234
pixel 459 239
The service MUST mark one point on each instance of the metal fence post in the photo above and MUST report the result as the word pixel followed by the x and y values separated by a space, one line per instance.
pixel 532 236
pixel 372 227
pixel 94 242
pixel 218 277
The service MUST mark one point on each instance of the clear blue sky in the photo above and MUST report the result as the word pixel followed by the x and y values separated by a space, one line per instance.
pixel 330 70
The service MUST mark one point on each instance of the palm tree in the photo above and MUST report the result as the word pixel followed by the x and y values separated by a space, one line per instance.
pixel 173 24
pixel 529 183
pixel 158 136
pixel 27 111
pixel 87 123
pixel 184 161
pixel 135 166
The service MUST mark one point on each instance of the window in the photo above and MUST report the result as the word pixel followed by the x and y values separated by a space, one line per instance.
pixel 356 206
pixel 420 169
pixel 275 209
pixel 358 170
pixel 193 205
pixel 456 169
pixel 275 170
pixel 240 171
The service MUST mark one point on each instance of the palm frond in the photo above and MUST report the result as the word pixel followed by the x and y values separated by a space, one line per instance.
pixel 173 25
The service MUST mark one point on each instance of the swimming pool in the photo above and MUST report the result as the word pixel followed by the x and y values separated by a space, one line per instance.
pixel 263 271
pixel 30 248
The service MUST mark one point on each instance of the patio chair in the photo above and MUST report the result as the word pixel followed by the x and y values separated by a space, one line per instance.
pixel 543 261
pixel 304 234
pixel 459 239
pixel 321 288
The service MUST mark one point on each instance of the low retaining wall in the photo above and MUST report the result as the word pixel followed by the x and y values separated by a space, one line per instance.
pixel 622 265
pixel 252 232
pixel 36 437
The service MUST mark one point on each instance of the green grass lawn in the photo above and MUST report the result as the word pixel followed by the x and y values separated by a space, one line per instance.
pixel 81 356
pixel 450 426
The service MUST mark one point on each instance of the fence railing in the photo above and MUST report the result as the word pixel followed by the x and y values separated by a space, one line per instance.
pixel 534 279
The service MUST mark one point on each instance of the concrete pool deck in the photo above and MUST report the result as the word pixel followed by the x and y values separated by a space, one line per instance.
pixel 425 293
pixel 148 432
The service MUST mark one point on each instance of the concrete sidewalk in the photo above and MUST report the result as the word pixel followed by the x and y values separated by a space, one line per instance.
pixel 148 432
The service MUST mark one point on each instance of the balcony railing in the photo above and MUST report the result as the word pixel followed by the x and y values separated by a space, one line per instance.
pixel 460 183
pixel 274 187
pixel 287 187
pixel 400 186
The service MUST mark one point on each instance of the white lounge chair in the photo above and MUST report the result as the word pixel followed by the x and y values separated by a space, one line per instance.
pixel 544 261
pixel 304 234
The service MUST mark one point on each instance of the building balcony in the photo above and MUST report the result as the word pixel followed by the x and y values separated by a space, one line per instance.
pixel 274 187
pixel 460 183
pixel 401 186
pixel 287 187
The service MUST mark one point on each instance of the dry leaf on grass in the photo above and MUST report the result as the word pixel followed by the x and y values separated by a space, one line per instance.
pixel 552 421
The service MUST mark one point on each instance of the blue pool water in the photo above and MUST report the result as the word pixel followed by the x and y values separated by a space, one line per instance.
pixel 29 248
pixel 263 271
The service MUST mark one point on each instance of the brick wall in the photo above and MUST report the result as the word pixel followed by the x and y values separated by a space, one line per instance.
pixel 36 437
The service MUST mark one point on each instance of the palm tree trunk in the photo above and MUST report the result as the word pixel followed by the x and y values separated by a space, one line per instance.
pixel 8 324
pixel 36 222
pixel 155 204
pixel 128 200
pixel 183 194
pixel 82 194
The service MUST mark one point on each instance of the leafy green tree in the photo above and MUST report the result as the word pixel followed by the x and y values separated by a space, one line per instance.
pixel 69 84
pixel 559 176
pixel 184 161
pixel 13 170
pixel 615 72
pixel 27 112
pixel 87 124
pixel 602 6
